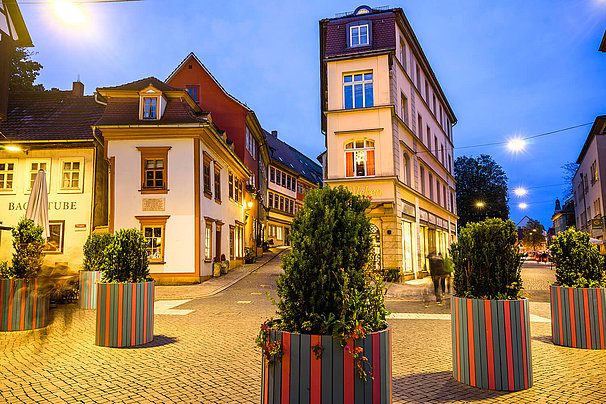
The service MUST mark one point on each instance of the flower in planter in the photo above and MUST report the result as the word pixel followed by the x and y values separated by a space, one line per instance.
pixel 578 263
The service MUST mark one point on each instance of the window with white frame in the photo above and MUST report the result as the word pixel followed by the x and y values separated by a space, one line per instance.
pixel 360 158
pixel 72 174
pixel 54 242
pixel 7 174
pixel 404 108
pixel 358 35
pixel 33 167
pixel 406 169
pixel 251 144
pixel 358 90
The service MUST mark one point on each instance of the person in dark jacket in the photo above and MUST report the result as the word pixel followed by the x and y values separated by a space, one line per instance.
pixel 438 276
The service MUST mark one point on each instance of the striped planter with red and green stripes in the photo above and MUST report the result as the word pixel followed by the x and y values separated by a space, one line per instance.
pixel 22 305
pixel 298 376
pixel 491 343
pixel 578 317
pixel 88 289
pixel 125 314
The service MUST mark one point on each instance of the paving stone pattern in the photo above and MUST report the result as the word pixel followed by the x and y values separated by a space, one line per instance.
pixel 209 356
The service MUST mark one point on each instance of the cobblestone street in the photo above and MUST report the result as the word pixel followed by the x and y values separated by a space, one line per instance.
pixel 208 355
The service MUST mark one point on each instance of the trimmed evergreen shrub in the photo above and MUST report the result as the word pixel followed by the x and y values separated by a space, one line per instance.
pixel 487 261
pixel 578 263
pixel 327 286
pixel 125 258
pixel 93 250
pixel 28 244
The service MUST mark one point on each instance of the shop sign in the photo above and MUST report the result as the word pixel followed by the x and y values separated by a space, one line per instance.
pixel 80 227
pixel 597 224
pixel 371 193
pixel 408 208
pixel 154 204
pixel 19 206
pixel 423 214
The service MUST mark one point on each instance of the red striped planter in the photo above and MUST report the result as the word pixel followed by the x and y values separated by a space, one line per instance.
pixel 578 317
pixel 491 343
pixel 88 289
pixel 125 314
pixel 22 305
pixel 299 377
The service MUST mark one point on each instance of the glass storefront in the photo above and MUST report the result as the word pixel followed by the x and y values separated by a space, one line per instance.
pixel 407 246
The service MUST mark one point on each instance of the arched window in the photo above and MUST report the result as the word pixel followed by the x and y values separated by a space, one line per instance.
pixel 406 169
pixel 360 158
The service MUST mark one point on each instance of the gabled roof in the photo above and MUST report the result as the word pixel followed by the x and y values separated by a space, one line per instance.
pixel 125 111
pixel 289 157
pixel 49 115
pixel 598 128
pixel 193 55
pixel 141 84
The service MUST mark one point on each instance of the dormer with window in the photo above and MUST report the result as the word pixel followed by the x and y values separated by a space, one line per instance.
pixel 151 104
pixel 359 34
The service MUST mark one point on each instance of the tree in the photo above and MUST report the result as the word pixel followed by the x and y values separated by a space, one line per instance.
pixel 480 180
pixel 569 169
pixel 533 234
pixel 24 71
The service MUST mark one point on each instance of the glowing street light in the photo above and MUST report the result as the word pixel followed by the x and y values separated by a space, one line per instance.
pixel 522 205
pixel 516 145
pixel 12 148
pixel 480 204
pixel 69 12
pixel 520 191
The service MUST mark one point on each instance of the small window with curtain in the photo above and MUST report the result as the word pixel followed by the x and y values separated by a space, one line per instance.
pixel 358 90
pixel 360 158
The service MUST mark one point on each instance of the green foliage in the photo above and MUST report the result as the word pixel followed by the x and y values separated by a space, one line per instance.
pixel 27 258
pixel 250 255
pixel 24 71
pixel 480 179
pixel 533 234
pixel 578 263
pixel 93 250
pixel 327 286
pixel 392 274
pixel 4 270
pixel 125 258
pixel 487 261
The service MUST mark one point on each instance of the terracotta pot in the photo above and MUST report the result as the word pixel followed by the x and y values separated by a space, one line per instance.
pixel 298 376
pixel 22 305
pixel 88 289
pixel 125 314
pixel 578 317
pixel 491 343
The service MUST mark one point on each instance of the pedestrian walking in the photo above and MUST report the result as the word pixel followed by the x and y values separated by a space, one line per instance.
pixel 436 270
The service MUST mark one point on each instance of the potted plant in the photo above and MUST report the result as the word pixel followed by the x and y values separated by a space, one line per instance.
pixel 578 299
pixel 490 322
pixel 90 275
pixel 23 306
pixel 224 264
pixel 250 255
pixel 125 295
pixel 331 342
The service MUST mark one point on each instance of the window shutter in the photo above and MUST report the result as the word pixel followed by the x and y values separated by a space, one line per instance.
pixel 349 156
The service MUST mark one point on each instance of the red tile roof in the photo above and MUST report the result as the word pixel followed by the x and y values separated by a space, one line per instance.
pixel 49 115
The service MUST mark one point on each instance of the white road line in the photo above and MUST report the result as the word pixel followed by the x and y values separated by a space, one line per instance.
pixel 166 307
pixel 436 316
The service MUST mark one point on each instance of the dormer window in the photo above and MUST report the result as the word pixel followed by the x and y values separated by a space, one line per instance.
pixel 150 108
pixel 358 35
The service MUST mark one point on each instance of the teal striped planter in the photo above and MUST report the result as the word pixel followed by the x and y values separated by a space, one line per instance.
pixel 125 314
pixel 578 317
pixel 22 305
pixel 88 289
pixel 491 343
pixel 298 376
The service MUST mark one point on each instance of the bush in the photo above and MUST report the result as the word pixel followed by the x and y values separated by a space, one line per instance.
pixel 578 263
pixel 392 274
pixel 486 261
pixel 93 250
pixel 125 258
pixel 27 258
pixel 327 287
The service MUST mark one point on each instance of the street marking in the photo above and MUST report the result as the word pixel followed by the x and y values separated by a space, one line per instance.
pixel 265 286
pixel 243 301
pixel 435 316
pixel 167 307
pixel 256 293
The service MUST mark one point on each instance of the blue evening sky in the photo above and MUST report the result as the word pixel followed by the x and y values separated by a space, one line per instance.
pixel 507 67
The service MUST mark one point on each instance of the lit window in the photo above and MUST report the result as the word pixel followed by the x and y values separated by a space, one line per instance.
pixel 360 158
pixel 358 35
pixel 208 237
pixel 150 107
pixel 71 175
pixel 34 166
pixel 7 175
pixel 54 242
pixel 154 165
pixel 358 90
pixel 154 229
pixel 279 232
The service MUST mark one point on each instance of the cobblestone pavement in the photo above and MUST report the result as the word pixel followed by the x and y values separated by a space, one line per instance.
pixel 209 356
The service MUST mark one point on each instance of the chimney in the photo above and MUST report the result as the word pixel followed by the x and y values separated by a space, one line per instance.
pixel 78 89
pixel 274 133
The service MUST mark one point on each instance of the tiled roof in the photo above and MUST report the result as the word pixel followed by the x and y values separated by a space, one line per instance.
pixel 139 85
pixel 49 115
pixel 125 111
pixel 292 158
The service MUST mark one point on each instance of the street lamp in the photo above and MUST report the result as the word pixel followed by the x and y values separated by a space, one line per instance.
pixel 520 191
pixel 480 204
pixel 11 148
pixel 249 204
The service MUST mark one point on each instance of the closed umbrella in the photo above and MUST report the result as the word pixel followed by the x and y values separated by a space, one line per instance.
pixel 595 241
pixel 37 206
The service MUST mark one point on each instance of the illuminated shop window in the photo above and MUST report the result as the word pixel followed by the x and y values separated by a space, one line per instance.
pixel 360 158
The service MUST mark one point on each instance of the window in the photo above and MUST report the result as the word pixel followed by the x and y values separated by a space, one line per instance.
pixel 271 200
pixel 239 240
pixel 428 138
pixel 206 176
pixel 358 35
pixel 7 175
pixel 418 74
pixel 238 192
pixel 54 242
pixel 279 232
pixel 283 179
pixel 422 180
pixel 150 107
pixel 586 186
pixel 154 163
pixel 193 91
pixel 360 158
pixel 594 173
pixel 420 127
pixel 71 174
pixel 251 144
pixel 232 240
pixel 434 104
pixel 272 174
pixel 426 91
pixel 435 145
pixel 404 108
pixel 281 203
pixel 208 239
pixel 217 182
pixel 231 185
pixel 452 209
pixel 33 167
pixel 357 90
pixel 449 164
pixel 403 52
pixel 406 169
pixel 442 154
pixel 438 198
pixel 430 176
pixel 154 229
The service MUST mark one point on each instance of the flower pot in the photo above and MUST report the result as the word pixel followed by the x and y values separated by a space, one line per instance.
pixel 298 376
pixel 216 269
pixel 125 314
pixel 491 343
pixel 22 305
pixel 88 289
pixel 224 267
pixel 578 317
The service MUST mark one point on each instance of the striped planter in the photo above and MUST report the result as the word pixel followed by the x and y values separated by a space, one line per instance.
pixel 578 317
pixel 88 289
pixel 491 343
pixel 299 377
pixel 125 314
pixel 22 305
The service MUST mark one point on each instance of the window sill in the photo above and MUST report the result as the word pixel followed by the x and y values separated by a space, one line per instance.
pixel 218 201
pixel 70 191
pixel 157 262
pixel 154 191
pixel 208 261
pixel 208 195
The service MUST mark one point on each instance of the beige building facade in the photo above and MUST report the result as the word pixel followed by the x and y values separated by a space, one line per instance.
pixel 388 128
